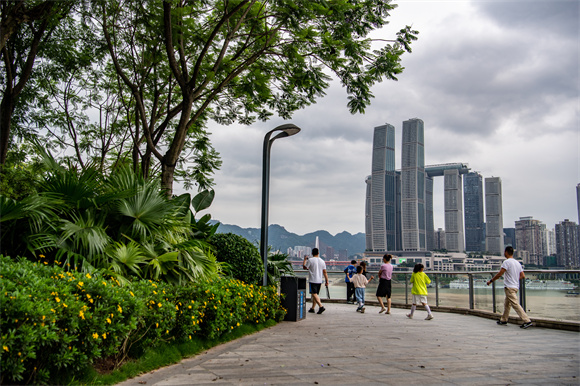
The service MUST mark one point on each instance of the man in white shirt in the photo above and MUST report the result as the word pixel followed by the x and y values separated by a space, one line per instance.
pixel 513 273
pixel 316 270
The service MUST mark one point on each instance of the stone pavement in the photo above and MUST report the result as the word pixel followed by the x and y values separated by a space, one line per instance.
pixel 342 346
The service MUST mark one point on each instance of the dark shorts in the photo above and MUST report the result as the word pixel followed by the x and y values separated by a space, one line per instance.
pixel 315 288
pixel 384 288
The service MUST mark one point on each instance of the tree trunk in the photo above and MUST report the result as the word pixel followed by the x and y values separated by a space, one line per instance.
pixel 6 110
pixel 167 173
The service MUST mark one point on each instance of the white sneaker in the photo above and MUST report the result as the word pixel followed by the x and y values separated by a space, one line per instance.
pixel 382 310
pixel 409 316
pixel 429 317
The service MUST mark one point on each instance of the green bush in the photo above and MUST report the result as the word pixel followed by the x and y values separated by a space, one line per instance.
pixel 242 257
pixel 56 323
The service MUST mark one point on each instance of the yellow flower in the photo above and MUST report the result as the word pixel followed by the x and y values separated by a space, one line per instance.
pixel 41 256
pixel 88 275
pixel 82 314
pixel 176 307
pixel 159 305
pixel 43 317
pixel 119 308
pixel 104 283
pixel 80 284
pixel 5 348
pixel 156 325
pixel 104 335
pixel 108 320
pixel 95 335
pixel 238 324
pixel 189 338
pixel 64 305
pixel 57 299
pixel 131 293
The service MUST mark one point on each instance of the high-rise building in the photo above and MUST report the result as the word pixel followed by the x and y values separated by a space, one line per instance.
pixel 530 236
pixel 413 186
pixel 493 216
pixel 551 238
pixel 329 253
pixel 429 231
pixel 473 207
pixel 381 195
pixel 578 201
pixel 509 237
pixel 453 211
pixel 568 244
pixel 440 239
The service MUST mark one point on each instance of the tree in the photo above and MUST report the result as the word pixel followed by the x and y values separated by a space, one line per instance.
pixel 26 26
pixel 184 62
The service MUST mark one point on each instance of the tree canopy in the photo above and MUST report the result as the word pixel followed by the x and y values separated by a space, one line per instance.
pixel 154 73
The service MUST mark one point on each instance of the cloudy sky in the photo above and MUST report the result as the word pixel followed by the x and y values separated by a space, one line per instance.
pixel 497 85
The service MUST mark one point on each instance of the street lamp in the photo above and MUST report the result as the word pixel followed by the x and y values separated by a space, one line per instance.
pixel 284 131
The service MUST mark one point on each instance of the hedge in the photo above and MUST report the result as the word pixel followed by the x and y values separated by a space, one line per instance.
pixel 56 322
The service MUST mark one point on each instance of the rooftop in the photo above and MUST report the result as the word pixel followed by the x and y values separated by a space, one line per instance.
pixel 342 346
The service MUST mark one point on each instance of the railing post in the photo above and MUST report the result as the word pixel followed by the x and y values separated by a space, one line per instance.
pixel 471 302
pixel 493 296
pixel 523 294
pixel 436 290
pixel 406 290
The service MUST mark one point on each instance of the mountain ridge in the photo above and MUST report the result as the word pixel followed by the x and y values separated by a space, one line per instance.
pixel 281 239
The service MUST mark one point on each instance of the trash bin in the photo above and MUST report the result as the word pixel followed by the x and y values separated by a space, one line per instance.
pixel 294 301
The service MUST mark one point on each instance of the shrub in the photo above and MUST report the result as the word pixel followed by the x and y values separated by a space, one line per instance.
pixel 56 323
pixel 242 257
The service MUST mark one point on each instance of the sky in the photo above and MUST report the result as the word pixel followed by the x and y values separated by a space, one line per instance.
pixel 497 86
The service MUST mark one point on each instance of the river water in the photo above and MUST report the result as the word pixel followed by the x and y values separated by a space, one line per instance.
pixel 553 304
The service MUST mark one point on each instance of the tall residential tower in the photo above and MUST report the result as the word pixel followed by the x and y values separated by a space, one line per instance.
pixel 493 216
pixel 381 193
pixel 413 186
pixel 473 206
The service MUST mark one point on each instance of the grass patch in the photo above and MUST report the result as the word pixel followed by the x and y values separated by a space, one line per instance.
pixel 165 354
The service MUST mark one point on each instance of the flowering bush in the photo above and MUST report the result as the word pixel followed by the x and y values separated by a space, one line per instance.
pixel 56 321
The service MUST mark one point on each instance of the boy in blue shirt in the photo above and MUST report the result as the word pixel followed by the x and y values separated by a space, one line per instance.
pixel 350 271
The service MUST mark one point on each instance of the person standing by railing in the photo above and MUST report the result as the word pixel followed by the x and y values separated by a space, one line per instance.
pixel 512 271
pixel 350 271
pixel 384 288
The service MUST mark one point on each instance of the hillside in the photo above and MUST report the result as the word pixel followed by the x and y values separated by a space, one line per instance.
pixel 280 239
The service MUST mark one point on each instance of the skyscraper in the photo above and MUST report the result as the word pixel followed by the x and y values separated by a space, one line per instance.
pixel 493 216
pixel 429 228
pixel 473 206
pixel 530 234
pixel 578 201
pixel 381 195
pixel 453 211
pixel 568 244
pixel 413 186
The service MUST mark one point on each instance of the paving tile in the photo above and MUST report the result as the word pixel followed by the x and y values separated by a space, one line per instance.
pixel 330 348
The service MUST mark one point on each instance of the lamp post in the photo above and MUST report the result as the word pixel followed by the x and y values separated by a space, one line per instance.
pixel 284 131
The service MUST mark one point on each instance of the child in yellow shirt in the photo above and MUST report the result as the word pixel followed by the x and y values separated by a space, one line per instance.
pixel 419 279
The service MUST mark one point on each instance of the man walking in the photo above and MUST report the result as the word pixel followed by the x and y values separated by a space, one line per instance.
pixel 513 273
pixel 316 270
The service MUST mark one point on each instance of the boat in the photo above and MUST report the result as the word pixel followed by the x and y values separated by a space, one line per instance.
pixel 572 294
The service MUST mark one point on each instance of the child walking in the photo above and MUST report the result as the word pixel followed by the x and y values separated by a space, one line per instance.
pixel 360 283
pixel 420 280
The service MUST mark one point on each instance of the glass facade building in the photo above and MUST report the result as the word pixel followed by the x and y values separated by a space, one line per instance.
pixel 473 207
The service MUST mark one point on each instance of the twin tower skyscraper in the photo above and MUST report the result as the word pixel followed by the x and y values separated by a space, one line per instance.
pixel 399 203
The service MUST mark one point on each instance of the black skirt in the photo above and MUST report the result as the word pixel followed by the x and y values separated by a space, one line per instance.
pixel 384 288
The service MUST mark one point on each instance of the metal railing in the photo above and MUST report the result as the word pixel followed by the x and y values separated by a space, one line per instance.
pixel 544 293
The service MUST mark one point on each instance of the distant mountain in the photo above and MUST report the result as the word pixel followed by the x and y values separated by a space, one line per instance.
pixel 280 239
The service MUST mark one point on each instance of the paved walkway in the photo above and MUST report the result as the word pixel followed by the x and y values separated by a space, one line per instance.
pixel 342 346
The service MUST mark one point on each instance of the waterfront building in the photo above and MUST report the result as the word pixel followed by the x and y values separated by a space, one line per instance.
pixel 530 236
pixel 381 200
pixel 509 237
pixel 453 211
pixel 568 244
pixel 473 207
pixel 329 253
pixel 413 186
pixel 342 254
pixel 493 216
pixel 578 201
pixel 551 242
pixel 429 220
pixel 440 239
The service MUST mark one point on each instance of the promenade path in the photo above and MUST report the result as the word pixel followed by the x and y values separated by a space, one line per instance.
pixel 342 346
